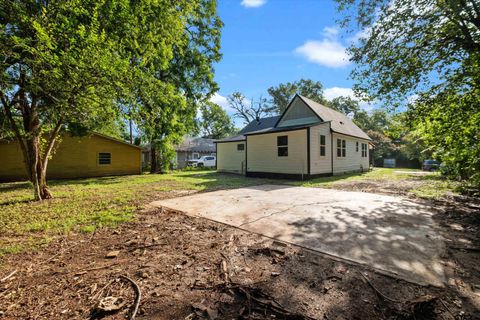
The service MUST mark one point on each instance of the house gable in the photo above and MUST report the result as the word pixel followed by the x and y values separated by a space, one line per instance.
pixel 297 113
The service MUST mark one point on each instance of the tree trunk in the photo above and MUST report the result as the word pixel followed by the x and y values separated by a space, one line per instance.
pixel 153 158
pixel 42 180
pixel 31 163
pixel 36 169
pixel 29 140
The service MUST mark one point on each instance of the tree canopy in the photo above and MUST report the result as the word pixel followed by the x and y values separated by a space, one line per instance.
pixel 425 53
pixel 284 92
pixel 163 118
pixel 215 122
pixel 76 64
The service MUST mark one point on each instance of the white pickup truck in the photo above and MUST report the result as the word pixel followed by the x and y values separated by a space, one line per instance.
pixel 205 161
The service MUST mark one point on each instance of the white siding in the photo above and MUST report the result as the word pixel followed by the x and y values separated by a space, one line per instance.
pixel 229 159
pixel 353 160
pixel 320 164
pixel 262 153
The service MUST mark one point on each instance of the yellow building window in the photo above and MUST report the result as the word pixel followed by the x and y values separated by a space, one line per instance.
pixel 104 158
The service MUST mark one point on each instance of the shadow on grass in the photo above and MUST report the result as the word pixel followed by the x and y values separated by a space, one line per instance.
pixel 87 181
pixel 12 186
pixel 10 202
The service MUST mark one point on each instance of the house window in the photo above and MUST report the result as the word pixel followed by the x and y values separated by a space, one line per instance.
pixel 195 155
pixel 282 146
pixel 322 145
pixel 341 148
pixel 364 150
pixel 357 146
pixel 104 158
pixel 240 147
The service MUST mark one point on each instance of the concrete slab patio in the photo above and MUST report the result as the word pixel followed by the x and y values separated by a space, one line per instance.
pixel 391 234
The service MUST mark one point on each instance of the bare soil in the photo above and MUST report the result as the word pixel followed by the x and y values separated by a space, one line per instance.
pixel 191 268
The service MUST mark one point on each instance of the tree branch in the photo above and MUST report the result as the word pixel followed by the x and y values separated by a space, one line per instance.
pixel 51 142
pixel 8 113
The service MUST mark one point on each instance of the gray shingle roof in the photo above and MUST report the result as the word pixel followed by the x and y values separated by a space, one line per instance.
pixel 196 145
pixel 239 137
pixel 340 122
pixel 264 123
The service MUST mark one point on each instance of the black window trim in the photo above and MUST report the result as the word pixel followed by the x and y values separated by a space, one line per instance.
pixel 282 146
pixel 364 150
pixel 341 148
pixel 323 145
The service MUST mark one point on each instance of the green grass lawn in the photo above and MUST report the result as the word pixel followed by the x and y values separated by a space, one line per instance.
pixel 85 204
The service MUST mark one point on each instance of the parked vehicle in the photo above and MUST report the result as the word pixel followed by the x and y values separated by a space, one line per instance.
pixel 206 161
pixel 431 165
pixel 192 162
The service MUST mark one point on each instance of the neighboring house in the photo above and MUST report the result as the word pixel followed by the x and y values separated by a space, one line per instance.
pixel 189 149
pixel 76 157
pixel 192 149
pixel 306 141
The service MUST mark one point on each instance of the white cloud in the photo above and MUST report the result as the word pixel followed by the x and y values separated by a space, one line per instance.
pixel 327 52
pixel 330 32
pixel 220 100
pixel 334 92
pixel 253 3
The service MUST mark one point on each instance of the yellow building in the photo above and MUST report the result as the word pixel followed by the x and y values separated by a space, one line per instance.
pixel 76 157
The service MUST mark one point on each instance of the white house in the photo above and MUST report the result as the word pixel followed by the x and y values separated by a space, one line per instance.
pixel 307 140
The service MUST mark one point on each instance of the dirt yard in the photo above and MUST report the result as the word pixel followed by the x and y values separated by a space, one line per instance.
pixel 179 267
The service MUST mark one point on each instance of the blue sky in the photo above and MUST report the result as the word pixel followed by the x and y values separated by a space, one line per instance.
pixel 265 43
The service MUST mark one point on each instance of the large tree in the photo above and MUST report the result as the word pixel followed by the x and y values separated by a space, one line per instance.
pixel 165 119
pixel 248 110
pixel 283 93
pixel 427 49
pixel 68 63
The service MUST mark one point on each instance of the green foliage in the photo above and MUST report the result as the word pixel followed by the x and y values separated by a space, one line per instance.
pixel 449 123
pixel 410 46
pixel 431 49
pixel 345 105
pixel 166 114
pixel 284 92
pixel 392 137
pixel 215 123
